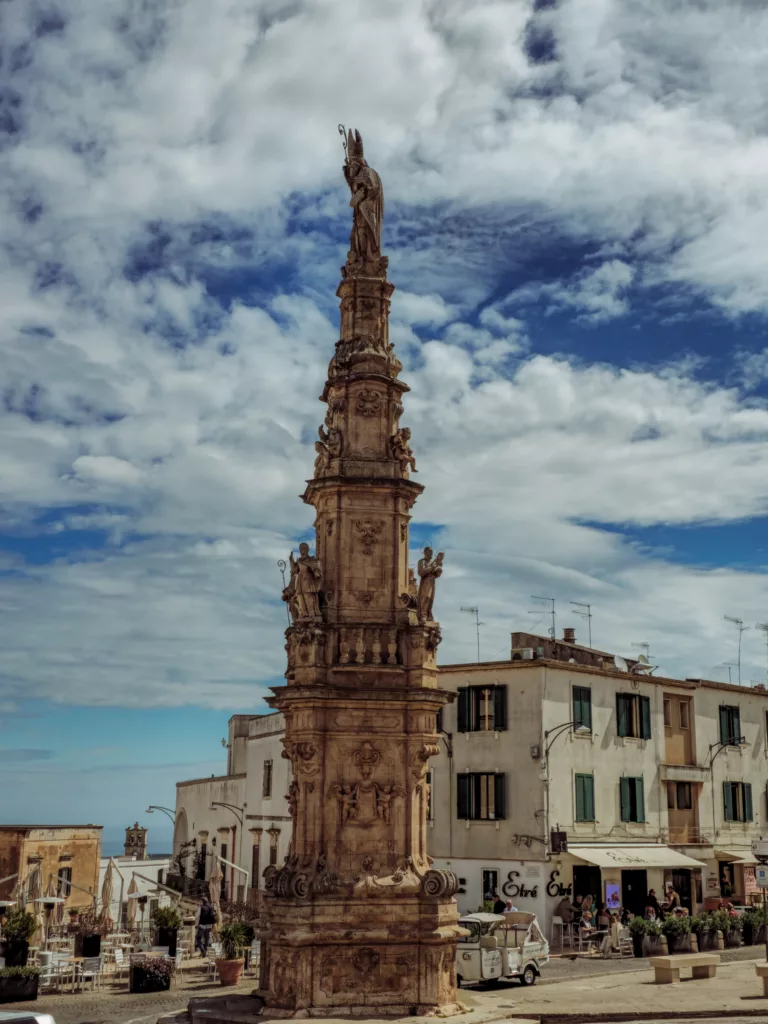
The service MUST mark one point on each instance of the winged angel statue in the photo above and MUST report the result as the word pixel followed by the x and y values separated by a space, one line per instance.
pixel 367 200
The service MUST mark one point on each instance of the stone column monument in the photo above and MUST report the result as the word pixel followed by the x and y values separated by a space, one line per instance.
pixel 358 922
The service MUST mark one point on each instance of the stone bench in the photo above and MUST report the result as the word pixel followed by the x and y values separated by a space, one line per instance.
pixel 667 968
pixel 762 972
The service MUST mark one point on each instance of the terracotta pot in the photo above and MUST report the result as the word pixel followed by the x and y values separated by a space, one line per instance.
pixel 230 971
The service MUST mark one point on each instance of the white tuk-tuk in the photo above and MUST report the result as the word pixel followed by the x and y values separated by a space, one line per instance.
pixel 501 946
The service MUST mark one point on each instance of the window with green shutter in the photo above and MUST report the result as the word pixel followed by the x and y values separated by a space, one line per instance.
pixel 748 815
pixel 585 798
pixel 481 796
pixel 737 801
pixel 582 707
pixel 632 799
pixel 633 715
pixel 730 725
pixel 481 708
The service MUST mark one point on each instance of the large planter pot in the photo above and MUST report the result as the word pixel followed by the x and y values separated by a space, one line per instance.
pixel 230 971
pixel 167 937
pixel 638 946
pixel 18 990
pixel 140 981
pixel 733 938
pixel 15 953
pixel 87 945
pixel 748 934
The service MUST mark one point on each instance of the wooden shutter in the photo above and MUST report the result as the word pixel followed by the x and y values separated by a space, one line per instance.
pixel 580 807
pixel 640 799
pixel 748 815
pixel 499 796
pixel 589 795
pixel 624 798
pixel 582 707
pixel 645 718
pixel 622 715
pixel 462 796
pixel 724 737
pixel 735 725
pixel 727 799
pixel 462 710
pixel 500 708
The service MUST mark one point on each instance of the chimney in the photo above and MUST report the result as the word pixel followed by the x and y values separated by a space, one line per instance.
pixel 569 635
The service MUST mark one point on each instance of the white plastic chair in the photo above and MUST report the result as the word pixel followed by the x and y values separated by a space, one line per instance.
pixel 92 969
pixel 121 964
pixel 557 925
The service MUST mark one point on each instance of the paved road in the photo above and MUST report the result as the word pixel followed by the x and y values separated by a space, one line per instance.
pixel 114 1005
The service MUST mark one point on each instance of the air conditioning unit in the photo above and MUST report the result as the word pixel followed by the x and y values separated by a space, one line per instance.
pixel 522 654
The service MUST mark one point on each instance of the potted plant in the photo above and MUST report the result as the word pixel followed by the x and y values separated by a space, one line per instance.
pixel 752 931
pixel 702 925
pixel 18 929
pixel 152 974
pixel 18 984
pixel 88 931
pixel 638 929
pixel 230 967
pixel 167 921
pixel 677 930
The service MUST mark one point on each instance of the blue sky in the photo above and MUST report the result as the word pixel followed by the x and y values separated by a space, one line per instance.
pixel 576 208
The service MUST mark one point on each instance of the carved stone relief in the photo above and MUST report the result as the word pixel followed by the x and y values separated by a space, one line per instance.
pixel 369 530
pixel 368 402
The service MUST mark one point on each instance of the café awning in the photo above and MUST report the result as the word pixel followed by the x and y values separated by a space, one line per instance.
pixel 736 856
pixel 629 855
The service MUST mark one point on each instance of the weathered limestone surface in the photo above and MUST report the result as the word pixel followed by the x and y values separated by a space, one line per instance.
pixel 357 918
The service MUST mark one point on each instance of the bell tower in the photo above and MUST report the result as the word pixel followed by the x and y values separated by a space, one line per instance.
pixel 357 919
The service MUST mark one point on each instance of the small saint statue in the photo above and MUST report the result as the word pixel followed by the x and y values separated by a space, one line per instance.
pixel 367 201
pixel 402 451
pixel 428 569
pixel 303 590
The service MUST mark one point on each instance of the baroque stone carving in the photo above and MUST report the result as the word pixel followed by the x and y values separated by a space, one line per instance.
pixel 420 758
pixel 369 530
pixel 440 884
pixel 429 569
pixel 410 600
pixel 402 452
pixel 302 756
pixel 368 403
pixel 367 201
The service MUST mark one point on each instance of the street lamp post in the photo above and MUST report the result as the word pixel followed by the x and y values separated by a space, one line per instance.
pixel 166 811
pixel 239 813
pixel 731 741
pixel 556 732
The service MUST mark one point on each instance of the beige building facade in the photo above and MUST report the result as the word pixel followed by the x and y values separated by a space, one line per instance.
pixel 243 815
pixel 652 781
pixel 69 854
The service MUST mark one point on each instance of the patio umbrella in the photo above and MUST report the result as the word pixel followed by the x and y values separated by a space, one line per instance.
pixel 106 897
pixel 50 901
pixel 133 892
pixel 214 888
pixel 34 893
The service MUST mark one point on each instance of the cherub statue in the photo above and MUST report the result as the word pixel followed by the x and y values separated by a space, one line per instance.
pixel 402 451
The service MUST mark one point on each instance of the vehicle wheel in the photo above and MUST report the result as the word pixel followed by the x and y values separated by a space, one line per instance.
pixel 528 977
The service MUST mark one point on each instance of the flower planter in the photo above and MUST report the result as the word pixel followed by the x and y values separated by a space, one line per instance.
pixel 87 945
pixel 15 953
pixel 733 938
pixel 230 971
pixel 18 990
pixel 167 937
pixel 143 980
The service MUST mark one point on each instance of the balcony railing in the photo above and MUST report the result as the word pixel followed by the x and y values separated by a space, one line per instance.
pixel 687 835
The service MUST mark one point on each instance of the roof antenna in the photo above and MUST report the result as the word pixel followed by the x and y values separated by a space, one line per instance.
pixel 551 602
pixel 763 627
pixel 585 615
pixel 742 629
pixel 473 610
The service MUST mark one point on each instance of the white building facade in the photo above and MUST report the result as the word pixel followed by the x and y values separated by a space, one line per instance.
pixel 649 781
pixel 242 816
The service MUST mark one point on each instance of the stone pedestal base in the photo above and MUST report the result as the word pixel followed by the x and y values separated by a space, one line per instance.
pixel 334 957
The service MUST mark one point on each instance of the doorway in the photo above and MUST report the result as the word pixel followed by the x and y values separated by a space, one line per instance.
pixel 587 881
pixel 634 890
pixel 681 883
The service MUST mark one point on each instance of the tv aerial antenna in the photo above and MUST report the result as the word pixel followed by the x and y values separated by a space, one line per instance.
pixel 474 610
pixel 742 629
pixel 585 615
pixel 551 611
pixel 645 647
pixel 729 665
pixel 763 627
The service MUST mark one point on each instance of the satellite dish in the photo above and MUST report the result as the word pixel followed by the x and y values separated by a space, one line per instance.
pixel 620 664
pixel 643 665
pixel 571 661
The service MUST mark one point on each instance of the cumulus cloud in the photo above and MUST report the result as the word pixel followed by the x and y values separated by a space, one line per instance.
pixel 174 218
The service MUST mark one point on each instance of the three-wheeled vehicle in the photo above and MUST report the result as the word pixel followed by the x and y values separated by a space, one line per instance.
pixel 501 946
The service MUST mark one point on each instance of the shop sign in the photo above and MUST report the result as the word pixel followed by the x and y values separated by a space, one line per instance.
pixel 512 888
pixel 555 888
pixel 761 876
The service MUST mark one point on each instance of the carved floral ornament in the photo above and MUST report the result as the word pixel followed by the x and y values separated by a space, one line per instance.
pixel 302 757
pixel 368 402
pixel 369 530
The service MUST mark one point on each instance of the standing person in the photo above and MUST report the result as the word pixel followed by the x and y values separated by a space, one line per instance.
pixel 204 922
pixel 672 898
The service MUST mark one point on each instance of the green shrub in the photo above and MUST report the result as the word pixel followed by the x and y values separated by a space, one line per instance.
pixel 673 926
pixel 702 923
pixel 232 936
pixel 653 929
pixel 18 926
pixel 19 972
pixel 166 917
pixel 638 926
